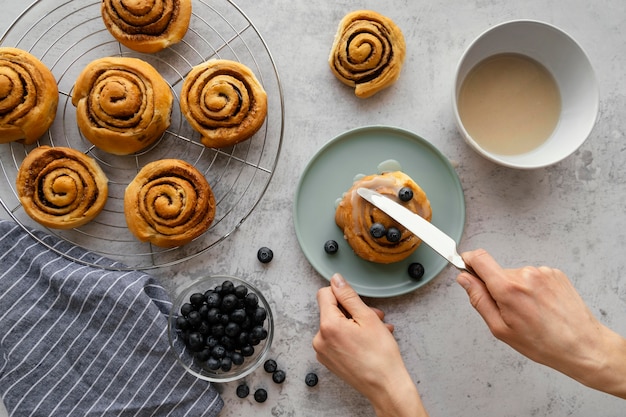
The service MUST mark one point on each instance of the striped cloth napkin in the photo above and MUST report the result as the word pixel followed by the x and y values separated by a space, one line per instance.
pixel 83 341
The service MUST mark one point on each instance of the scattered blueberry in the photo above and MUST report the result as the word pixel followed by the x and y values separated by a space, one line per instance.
pixel 270 366
pixel 331 247
pixel 260 395
pixel 265 255
pixel 243 390
pixel 279 376
pixel 393 235
pixel 405 194
pixel 311 379
pixel 416 270
pixel 377 230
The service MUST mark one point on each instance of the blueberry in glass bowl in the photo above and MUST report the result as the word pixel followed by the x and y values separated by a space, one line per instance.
pixel 220 328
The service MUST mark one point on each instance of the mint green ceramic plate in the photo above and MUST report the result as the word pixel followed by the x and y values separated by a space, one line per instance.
pixel 331 172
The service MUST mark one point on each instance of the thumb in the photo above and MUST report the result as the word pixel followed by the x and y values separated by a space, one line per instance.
pixel 481 300
pixel 347 297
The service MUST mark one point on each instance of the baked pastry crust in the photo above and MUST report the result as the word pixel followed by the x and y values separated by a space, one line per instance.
pixel 61 188
pixel 224 101
pixel 355 216
pixel 123 105
pixel 368 52
pixel 28 97
pixel 169 203
pixel 147 26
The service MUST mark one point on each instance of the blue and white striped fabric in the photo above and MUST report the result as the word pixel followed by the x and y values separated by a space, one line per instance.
pixel 84 341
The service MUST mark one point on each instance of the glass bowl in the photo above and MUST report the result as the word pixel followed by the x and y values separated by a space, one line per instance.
pixel 220 328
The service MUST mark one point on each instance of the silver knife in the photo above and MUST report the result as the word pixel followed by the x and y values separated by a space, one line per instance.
pixel 440 242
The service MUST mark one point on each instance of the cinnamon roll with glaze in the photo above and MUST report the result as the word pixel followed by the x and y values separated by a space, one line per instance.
pixel 147 25
pixel 224 101
pixel 372 234
pixel 368 52
pixel 28 97
pixel 169 203
pixel 123 105
pixel 61 188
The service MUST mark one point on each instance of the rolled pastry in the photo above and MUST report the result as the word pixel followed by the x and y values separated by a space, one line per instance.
pixel 28 97
pixel 356 216
pixel 169 203
pixel 224 101
pixel 147 25
pixel 368 52
pixel 61 188
pixel 123 105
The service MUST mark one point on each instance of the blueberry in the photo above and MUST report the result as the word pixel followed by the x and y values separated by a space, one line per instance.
pixel 238 316
pixel 232 329
pixel 218 330
pixel 213 364
pixel 229 302
pixel 270 366
pixel 259 315
pixel 196 299
pixel 203 355
pixel 213 315
pixel 252 300
pixel 311 379
pixel 377 230
pixel 260 395
pixel 204 328
pixel 258 333
pixel 393 235
pixel 194 318
pixel 237 358
pixel 247 350
pixel 405 194
pixel 416 270
pixel 185 309
pixel 195 341
pixel 279 376
pixel 182 323
pixel 226 364
pixel 241 291
pixel 265 255
pixel 218 352
pixel 331 247
pixel 243 390
pixel 227 287
pixel 213 299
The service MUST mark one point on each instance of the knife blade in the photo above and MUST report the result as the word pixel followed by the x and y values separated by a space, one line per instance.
pixel 440 242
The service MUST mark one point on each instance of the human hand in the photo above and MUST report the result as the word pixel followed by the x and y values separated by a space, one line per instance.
pixel 539 313
pixel 354 343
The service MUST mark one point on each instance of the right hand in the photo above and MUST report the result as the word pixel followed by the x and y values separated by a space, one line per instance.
pixel 539 313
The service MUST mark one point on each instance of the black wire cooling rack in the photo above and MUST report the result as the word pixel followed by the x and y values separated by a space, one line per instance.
pixel 66 37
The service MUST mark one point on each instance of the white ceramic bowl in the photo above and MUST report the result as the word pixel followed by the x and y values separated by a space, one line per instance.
pixel 572 71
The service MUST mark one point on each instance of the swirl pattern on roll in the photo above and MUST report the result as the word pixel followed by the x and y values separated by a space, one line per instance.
pixel 123 104
pixel 147 25
pixel 368 52
pixel 355 216
pixel 28 97
pixel 224 101
pixel 169 203
pixel 61 188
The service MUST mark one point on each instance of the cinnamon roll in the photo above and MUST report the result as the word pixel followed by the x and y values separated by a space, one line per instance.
pixel 372 234
pixel 61 188
pixel 368 52
pixel 169 203
pixel 123 105
pixel 147 25
pixel 28 97
pixel 224 101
